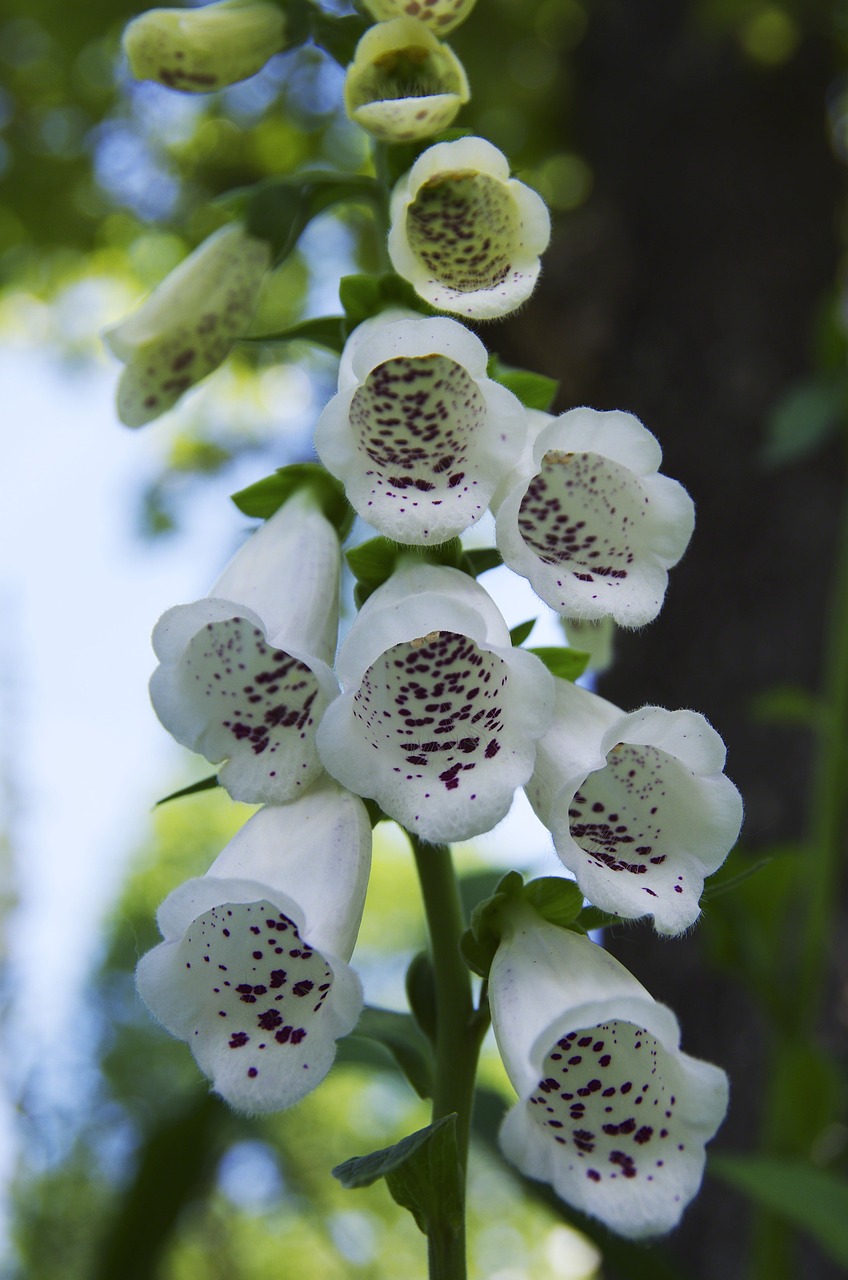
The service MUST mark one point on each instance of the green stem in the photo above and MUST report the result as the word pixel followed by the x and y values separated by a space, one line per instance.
pixel 459 1033
pixel 382 219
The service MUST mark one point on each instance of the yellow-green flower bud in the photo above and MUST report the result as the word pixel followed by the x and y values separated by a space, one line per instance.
pixel 441 15
pixel 199 50
pixel 403 83
pixel 187 326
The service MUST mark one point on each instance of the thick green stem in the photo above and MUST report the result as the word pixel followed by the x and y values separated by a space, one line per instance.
pixel 381 207
pixel 459 1032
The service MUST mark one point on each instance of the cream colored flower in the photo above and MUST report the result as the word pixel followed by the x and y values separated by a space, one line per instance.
pixel 441 15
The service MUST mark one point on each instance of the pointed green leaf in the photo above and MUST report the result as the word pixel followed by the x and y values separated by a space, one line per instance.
pixel 565 664
pixel 266 497
pixel 337 35
pixel 374 562
pixel 534 390
pixel 205 784
pixel 364 296
pixel 421 993
pixel 419 1171
pixel 399 1034
pixel 479 559
pixel 280 209
pixel 323 331
pixel 520 633
pixel 813 1200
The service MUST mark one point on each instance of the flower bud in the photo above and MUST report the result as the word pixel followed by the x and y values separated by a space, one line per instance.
pixel 403 84
pixel 199 50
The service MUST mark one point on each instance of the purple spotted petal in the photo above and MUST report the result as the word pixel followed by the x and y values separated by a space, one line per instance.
pixel 589 521
pixel 611 1113
pixel 419 435
pixel 438 723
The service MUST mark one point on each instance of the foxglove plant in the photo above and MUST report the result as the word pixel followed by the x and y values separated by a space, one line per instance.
pixel 442 714
pixel 253 971
pixel 418 434
pixel 245 673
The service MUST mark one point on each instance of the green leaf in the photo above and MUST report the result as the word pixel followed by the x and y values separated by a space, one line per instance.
pixel 421 993
pixel 205 784
pixel 280 209
pixel 324 331
pixel 806 417
pixel 534 390
pixel 479 559
pixel 421 1172
pixel 373 563
pixel 591 918
pixel 557 900
pixel 476 887
pixel 565 664
pixel 480 941
pixel 266 497
pixel 364 296
pixel 337 35
pixel 520 633
pixel 812 1200
pixel 399 1034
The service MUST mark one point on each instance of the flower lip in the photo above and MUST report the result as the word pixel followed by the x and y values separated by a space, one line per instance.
pixel 466 235
pixel 589 521
pixel 418 433
pixel 438 721
pixel 403 84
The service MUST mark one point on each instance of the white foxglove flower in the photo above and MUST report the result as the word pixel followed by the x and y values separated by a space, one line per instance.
pixel 464 234
pixel 187 326
pixel 253 971
pixel 611 1113
pixel 245 674
pixel 403 83
pixel 638 805
pixel 441 15
pixel 198 50
pixel 440 715
pixel 590 523
pixel 418 434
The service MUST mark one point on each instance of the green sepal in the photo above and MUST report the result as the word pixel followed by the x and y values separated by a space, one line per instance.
pixel 520 633
pixel 373 563
pixel 337 35
pixel 534 390
pixel 591 918
pixel 323 331
pixel 421 993
pixel 555 899
pixel 280 209
pixel 401 1037
pixel 266 496
pixel 205 784
pixel 421 1172
pixel 364 296
pixel 478 559
pixel 375 813
pixel 565 664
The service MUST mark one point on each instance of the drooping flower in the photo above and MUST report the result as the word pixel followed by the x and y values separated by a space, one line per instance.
pixel 403 83
pixel 466 235
pixel 442 15
pixel 440 715
pixel 587 519
pixel 244 673
pixel 418 434
pixel 187 326
pixel 198 50
pixel 610 1112
pixel 253 971
pixel 638 805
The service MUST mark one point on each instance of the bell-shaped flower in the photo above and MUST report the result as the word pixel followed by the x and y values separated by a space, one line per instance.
pixel 403 83
pixel 441 15
pixel 253 971
pixel 610 1112
pixel 418 434
pixel 187 326
pixel 440 715
pixel 638 805
pixel 244 673
pixel 198 50
pixel 587 519
pixel 464 234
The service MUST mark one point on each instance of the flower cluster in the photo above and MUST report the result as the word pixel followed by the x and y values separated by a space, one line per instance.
pixel 428 708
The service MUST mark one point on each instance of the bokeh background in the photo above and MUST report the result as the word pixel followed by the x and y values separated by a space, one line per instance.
pixel 693 154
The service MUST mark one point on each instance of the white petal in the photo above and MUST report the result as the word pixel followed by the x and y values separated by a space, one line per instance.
pixel 420 437
pixel 643 824
pixel 616 1117
pixel 466 235
pixel 242 976
pixel 591 524
pixel 437 723
pixel 572 745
